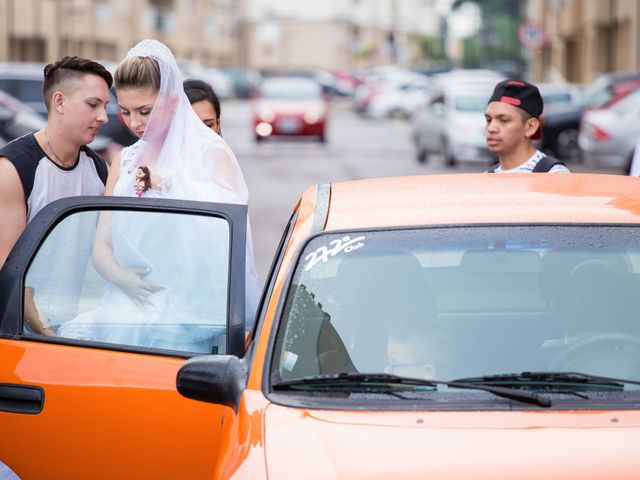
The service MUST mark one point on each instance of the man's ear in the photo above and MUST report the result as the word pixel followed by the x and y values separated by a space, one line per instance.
pixel 531 127
pixel 57 102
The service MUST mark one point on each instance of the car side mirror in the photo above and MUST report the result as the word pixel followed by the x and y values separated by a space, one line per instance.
pixel 218 379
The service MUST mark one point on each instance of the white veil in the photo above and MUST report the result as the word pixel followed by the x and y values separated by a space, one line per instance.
pixel 189 155
pixel 194 162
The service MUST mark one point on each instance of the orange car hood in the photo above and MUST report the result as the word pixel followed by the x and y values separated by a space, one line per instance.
pixel 314 444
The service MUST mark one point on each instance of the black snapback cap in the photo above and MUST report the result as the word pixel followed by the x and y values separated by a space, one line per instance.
pixel 521 94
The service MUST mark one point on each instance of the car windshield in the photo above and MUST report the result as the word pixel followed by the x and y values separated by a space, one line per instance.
pixel 471 103
pixel 460 302
pixel 597 94
pixel 627 104
pixel 291 89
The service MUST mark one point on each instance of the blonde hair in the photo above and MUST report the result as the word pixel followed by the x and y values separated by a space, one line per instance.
pixel 138 72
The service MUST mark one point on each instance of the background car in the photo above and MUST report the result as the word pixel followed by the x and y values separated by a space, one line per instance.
pixel 561 120
pixel 246 82
pixel 290 106
pixel 608 136
pixel 452 125
pixel 609 88
pixel 401 96
pixel 24 82
pixel 221 83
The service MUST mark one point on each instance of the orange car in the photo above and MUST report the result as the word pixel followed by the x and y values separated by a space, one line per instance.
pixel 459 326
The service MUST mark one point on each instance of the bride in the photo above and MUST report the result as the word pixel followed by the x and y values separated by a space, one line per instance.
pixel 176 157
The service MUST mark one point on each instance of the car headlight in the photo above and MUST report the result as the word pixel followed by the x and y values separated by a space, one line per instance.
pixel 314 115
pixel 266 115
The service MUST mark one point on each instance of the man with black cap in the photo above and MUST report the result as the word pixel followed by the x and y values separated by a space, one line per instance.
pixel 513 121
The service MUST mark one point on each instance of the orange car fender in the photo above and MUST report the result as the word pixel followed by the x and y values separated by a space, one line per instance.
pixel 242 453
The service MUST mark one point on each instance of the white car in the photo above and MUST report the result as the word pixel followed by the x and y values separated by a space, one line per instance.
pixel 401 97
pixel 609 136
pixel 452 125
pixel 221 83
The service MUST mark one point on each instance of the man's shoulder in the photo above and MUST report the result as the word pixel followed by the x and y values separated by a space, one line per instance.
pixel 22 149
pixel 10 182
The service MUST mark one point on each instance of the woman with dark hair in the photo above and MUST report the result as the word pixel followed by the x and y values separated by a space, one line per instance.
pixel 204 102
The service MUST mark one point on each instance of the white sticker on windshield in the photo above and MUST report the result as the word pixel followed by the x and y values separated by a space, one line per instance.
pixel 290 360
pixel 345 244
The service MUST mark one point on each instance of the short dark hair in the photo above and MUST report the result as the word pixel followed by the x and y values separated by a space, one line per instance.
pixel 197 90
pixel 70 68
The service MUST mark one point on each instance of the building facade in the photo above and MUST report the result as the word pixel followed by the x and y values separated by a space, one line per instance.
pixel 290 35
pixel 261 34
pixel 585 38
pixel 208 31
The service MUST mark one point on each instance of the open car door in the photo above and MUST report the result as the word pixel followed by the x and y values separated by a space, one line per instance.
pixel 101 300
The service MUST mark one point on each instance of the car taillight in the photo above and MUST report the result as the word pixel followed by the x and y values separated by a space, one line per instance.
pixel 598 134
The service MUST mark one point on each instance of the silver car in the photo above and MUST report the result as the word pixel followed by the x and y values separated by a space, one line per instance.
pixel 452 125
pixel 608 136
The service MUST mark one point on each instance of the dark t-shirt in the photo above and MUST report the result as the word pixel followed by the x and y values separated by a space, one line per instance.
pixel 44 181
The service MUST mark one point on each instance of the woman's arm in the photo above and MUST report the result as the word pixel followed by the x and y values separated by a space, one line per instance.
pixel 128 279
pixel 103 258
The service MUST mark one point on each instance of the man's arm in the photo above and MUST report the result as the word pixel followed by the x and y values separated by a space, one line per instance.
pixel 13 210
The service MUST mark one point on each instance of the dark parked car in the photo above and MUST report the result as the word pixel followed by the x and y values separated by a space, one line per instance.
pixel 561 121
pixel 24 82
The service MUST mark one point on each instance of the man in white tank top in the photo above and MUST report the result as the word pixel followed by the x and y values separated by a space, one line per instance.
pixel 55 162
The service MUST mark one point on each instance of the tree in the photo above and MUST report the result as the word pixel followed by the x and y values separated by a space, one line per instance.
pixel 497 41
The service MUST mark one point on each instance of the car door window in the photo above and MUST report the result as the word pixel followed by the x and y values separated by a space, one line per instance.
pixel 30 91
pixel 148 279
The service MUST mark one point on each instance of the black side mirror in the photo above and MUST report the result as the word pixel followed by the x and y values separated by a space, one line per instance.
pixel 218 379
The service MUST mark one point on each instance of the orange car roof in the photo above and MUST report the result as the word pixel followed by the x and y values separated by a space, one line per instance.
pixel 483 198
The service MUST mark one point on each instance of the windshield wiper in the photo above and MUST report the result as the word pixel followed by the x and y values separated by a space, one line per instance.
pixel 376 379
pixel 523 379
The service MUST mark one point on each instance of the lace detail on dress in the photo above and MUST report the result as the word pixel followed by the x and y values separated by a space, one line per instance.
pixel 128 157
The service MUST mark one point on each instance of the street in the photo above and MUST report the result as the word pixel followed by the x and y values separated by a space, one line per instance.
pixel 279 170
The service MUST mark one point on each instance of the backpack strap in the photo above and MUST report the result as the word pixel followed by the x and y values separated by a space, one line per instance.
pixel 493 168
pixel 546 164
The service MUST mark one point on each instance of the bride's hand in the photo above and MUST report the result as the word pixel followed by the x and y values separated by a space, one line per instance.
pixel 131 282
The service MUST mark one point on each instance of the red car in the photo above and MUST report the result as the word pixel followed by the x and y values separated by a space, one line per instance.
pixel 292 107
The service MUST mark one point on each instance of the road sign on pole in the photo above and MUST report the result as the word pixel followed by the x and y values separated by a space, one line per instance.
pixel 531 35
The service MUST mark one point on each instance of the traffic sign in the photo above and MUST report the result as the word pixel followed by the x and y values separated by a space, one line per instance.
pixel 531 35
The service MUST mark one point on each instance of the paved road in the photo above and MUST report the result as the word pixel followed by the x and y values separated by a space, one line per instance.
pixel 278 171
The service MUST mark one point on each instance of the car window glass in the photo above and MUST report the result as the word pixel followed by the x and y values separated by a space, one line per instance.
pixel 23 123
pixel 461 302
pixel 471 103
pixel 5 85
pixel 30 91
pixel 629 103
pixel 291 89
pixel 133 278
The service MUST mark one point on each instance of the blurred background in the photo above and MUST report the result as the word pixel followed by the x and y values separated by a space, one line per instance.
pixel 349 89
